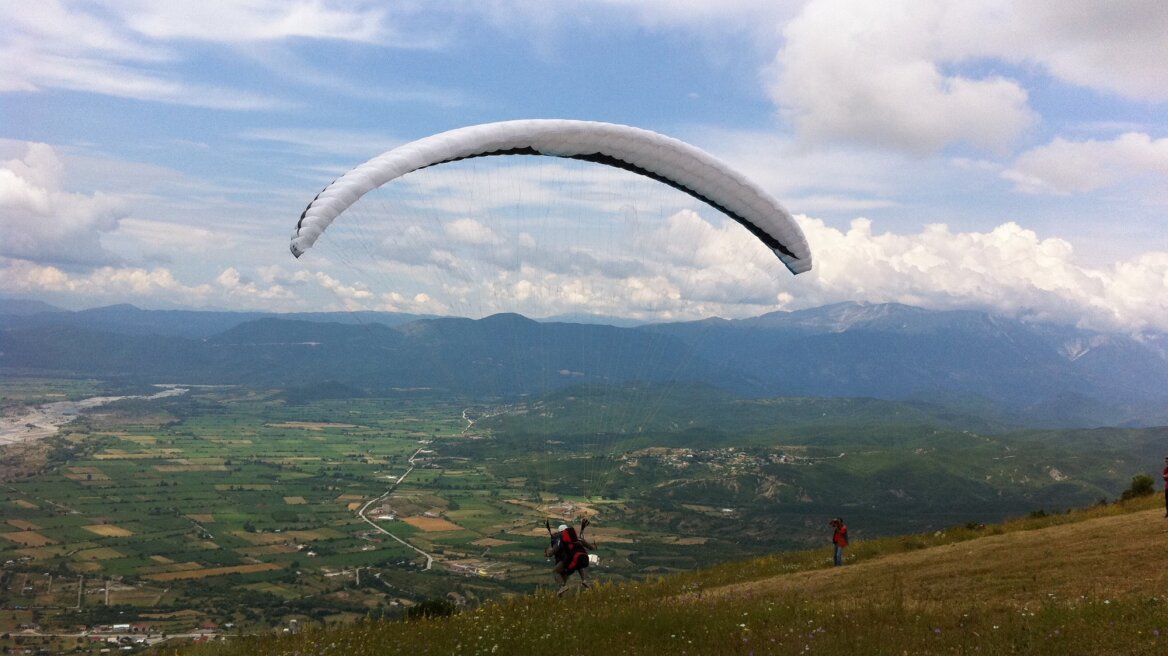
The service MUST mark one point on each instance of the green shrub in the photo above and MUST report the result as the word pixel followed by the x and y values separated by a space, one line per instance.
pixel 431 608
pixel 1142 485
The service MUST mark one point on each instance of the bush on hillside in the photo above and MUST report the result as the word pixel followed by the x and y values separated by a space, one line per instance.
pixel 431 608
pixel 1142 485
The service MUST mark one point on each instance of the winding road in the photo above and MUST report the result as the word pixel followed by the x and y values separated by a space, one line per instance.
pixel 365 508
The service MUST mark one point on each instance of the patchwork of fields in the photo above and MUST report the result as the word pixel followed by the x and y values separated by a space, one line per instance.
pixel 159 505
pixel 234 507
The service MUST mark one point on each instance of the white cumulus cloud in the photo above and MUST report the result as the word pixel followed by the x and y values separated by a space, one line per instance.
pixel 105 284
pixel 470 231
pixel 1066 167
pixel 239 286
pixel 875 73
pixel 922 76
pixel 1009 270
pixel 1116 46
pixel 688 267
pixel 42 221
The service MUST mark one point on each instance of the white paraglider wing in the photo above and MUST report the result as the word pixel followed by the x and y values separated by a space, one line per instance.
pixel 662 158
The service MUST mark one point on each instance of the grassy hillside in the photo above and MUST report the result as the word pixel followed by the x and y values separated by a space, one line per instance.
pixel 1087 582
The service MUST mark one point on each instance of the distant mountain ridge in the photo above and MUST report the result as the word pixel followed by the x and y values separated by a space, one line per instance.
pixel 1026 372
pixel 130 320
pixel 25 307
pixel 899 351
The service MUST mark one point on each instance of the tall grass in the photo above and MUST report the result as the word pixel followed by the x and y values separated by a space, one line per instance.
pixel 734 609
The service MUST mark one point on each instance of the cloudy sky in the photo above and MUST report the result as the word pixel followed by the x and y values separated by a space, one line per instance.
pixel 949 154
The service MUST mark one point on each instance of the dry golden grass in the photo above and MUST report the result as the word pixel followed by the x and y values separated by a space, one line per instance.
pixel 135 596
pixel 169 567
pixel 310 425
pixel 267 550
pixel 117 454
pixel 1104 558
pixel 28 538
pixel 490 542
pixel 86 474
pixel 1087 583
pixel 44 553
pixel 136 439
pixel 108 531
pixel 289 536
pixel 295 501
pixel 23 525
pixel 432 524
pixel 100 553
pixel 213 571
pixel 189 468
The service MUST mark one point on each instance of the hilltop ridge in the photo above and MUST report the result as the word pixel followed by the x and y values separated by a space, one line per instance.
pixel 1088 582
pixel 1105 558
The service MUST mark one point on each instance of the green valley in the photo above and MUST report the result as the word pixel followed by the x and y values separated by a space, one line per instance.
pixel 224 510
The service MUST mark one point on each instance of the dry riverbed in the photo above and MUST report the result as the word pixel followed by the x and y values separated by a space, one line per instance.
pixel 27 424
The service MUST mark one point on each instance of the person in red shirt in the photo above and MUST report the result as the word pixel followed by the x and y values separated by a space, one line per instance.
pixel 840 539
pixel 1166 486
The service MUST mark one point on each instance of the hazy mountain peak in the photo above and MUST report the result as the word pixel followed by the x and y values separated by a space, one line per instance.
pixel 1073 349
pixel 507 318
pixel 845 316
pixel 839 317
pixel 110 309
pixel 25 307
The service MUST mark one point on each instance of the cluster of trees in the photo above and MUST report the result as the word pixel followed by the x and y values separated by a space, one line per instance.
pixel 1142 485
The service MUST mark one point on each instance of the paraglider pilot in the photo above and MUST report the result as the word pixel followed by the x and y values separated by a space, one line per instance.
pixel 570 551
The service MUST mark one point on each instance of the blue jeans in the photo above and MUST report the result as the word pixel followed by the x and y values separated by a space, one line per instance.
pixel 839 555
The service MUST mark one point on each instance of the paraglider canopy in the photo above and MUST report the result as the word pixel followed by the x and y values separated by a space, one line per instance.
pixel 647 153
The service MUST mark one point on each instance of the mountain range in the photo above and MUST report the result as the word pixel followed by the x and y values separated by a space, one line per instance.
pixel 976 363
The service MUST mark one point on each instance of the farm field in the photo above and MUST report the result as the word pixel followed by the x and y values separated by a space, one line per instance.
pixel 226 509
pixel 233 503
pixel 183 503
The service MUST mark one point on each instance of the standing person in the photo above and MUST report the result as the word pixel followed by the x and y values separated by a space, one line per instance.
pixel 840 539
pixel 1166 486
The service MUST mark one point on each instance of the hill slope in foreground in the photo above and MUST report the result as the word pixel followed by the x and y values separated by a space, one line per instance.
pixel 1088 582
